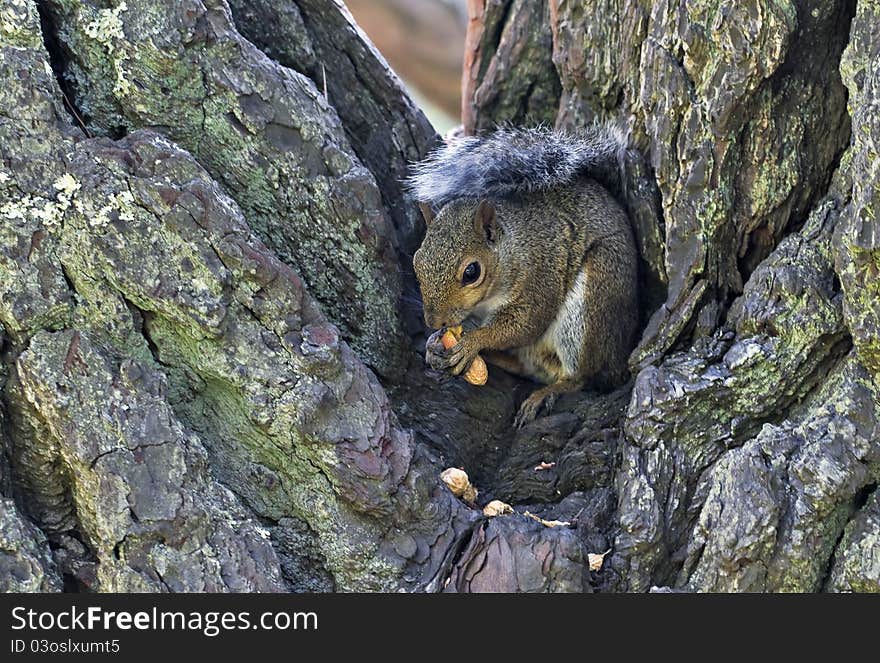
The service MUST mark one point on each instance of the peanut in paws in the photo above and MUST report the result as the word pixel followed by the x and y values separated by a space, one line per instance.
pixel 477 373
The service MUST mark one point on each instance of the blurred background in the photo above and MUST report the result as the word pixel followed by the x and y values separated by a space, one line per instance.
pixel 423 41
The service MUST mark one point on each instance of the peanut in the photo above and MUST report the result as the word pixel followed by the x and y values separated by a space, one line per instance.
pixel 458 482
pixel 477 373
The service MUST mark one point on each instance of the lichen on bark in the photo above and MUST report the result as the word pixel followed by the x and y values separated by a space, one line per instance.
pixel 175 338
pixel 265 132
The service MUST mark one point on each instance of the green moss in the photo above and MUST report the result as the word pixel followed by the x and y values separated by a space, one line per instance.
pixel 19 24
pixel 266 134
pixel 277 470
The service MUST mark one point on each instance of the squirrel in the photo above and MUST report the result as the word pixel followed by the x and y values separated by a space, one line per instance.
pixel 531 252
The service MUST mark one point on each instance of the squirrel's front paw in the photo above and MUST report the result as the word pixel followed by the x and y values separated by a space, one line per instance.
pixel 434 351
pixel 461 360
pixel 458 358
pixel 455 359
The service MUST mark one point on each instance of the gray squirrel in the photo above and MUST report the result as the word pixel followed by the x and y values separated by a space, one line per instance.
pixel 532 254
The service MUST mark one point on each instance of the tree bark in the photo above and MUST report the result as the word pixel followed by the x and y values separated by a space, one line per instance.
pixel 181 414
pixel 205 255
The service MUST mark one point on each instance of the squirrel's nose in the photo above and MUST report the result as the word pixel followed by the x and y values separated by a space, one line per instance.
pixel 432 319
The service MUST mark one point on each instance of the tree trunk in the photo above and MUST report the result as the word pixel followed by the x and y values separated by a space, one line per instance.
pixel 205 251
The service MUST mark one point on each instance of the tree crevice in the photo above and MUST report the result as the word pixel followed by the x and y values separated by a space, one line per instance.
pixel 59 62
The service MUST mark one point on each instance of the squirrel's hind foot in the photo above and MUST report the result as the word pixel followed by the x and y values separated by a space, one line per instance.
pixel 540 401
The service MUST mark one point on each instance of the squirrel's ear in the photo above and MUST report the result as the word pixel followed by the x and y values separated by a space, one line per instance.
pixel 427 212
pixel 485 220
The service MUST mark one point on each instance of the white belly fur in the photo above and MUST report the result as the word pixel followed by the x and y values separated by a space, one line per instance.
pixel 563 338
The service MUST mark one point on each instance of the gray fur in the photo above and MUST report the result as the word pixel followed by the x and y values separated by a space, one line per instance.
pixel 516 162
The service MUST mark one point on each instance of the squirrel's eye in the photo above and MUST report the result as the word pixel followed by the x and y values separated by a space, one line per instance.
pixel 471 273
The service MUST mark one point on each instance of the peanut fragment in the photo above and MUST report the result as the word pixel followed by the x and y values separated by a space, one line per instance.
pixel 596 560
pixel 459 484
pixel 549 523
pixel 477 373
pixel 497 508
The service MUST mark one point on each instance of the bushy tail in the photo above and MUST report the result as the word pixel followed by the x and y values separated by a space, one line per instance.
pixel 512 162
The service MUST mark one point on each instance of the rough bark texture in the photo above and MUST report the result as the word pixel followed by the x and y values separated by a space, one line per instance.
pixel 265 132
pixel 508 72
pixel 152 336
pixel 201 255
pixel 386 131
pixel 26 563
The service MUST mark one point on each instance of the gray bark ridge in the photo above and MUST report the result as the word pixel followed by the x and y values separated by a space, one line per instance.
pixel 26 562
